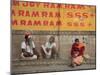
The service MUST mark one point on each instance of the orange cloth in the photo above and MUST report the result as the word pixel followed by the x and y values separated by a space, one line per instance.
pixel 77 49
pixel 78 60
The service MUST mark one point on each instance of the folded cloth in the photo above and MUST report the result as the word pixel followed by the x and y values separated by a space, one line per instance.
pixel 86 56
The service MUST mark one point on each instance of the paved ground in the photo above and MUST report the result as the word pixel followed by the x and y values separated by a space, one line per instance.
pixel 50 68
pixel 47 66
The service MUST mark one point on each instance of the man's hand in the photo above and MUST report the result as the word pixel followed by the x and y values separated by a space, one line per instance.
pixel 27 54
pixel 47 49
pixel 75 54
pixel 30 54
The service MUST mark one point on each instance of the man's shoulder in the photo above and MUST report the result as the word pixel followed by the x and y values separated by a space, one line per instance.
pixel 23 42
pixel 82 44
pixel 54 44
pixel 73 44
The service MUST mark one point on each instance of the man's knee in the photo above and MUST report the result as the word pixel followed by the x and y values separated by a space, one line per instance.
pixel 42 53
pixel 25 54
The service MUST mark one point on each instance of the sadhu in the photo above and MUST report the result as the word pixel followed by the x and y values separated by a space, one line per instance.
pixel 77 53
pixel 28 47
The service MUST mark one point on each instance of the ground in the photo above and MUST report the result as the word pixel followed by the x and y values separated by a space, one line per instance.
pixel 26 66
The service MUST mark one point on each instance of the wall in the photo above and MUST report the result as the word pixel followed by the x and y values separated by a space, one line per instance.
pixel 64 43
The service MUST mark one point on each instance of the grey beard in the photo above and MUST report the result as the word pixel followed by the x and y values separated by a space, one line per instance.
pixel 29 43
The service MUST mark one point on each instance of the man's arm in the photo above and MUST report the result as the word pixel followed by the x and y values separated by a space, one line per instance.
pixel 82 51
pixel 23 50
pixel 23 47
pixel 33 50
pixel 26 54
pixel 72 51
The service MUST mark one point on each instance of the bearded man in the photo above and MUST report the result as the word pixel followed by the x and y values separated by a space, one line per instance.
pixel 28 47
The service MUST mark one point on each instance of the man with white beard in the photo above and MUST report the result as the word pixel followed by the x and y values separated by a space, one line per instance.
pixel 28 47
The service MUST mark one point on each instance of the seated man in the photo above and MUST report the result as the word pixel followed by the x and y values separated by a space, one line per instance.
pixel 28 48
pixel 49 49
pixel 77 53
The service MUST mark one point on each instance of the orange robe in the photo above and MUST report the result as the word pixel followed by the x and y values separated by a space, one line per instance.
pixel 77 52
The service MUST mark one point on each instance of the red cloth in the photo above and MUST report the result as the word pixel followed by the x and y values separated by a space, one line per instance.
pixel 77 49
pixel 27 34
